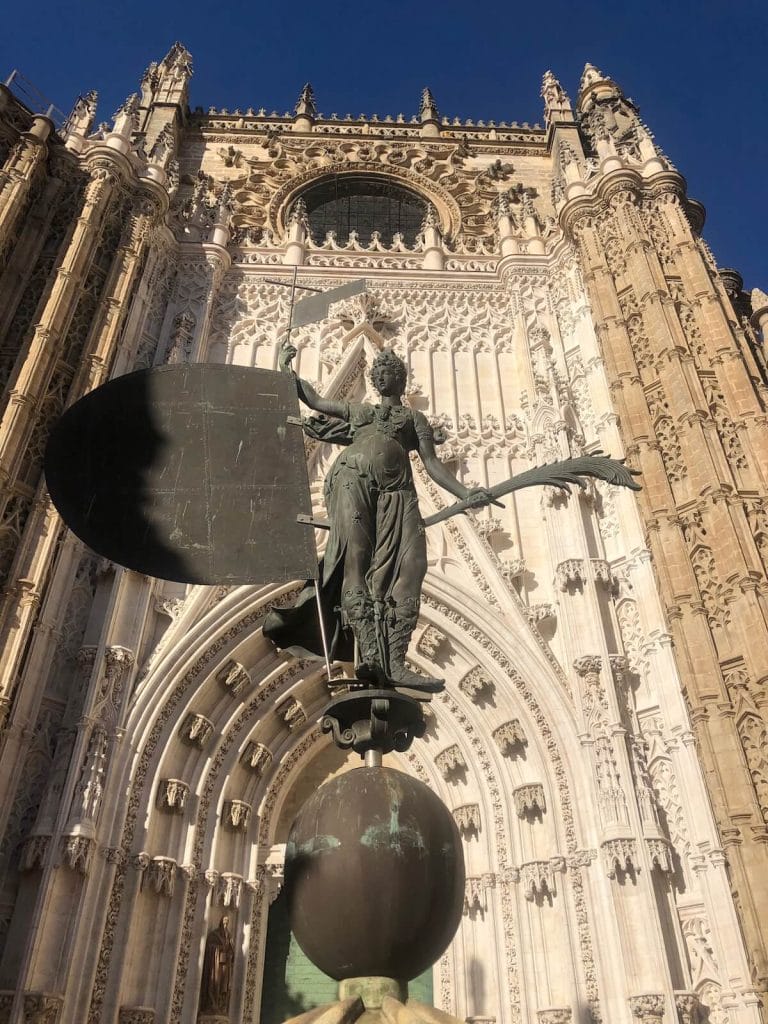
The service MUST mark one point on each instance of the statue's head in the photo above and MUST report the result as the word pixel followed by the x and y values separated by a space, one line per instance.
pixel 389 373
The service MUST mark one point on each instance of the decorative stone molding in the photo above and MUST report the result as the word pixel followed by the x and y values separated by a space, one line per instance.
pixel 76 851
pixel 467 818
pixel 160 876
pixel 529 800
pixel 196 730
pixel 291 712
pixel 450 763
pixel 659 854
pixel 510 737
pixel 554 1015
pixel 34 852
pixel 536 613
pixel 537 877
pixel 257 757
pixel 587 665
pixel 228 889
pixel 620 855
pixel 233 677
pixel 136 1015
pixel 170 606
pixel 236 814
pixel 172 795
pixel 602 573
pixel 649 1006
pixel 570 573
pixel 430 642
pixel 688 1007
pixel 476 892
pixel 477 686
pixel 42 1007
pixel 513 569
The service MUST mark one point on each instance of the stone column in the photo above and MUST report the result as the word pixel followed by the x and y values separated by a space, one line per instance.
pixel 17 175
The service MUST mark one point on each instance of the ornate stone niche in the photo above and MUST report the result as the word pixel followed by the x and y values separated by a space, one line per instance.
pixel 236 815
pixel 529 800
pixel 256 757
pixel 467 818
pixel 450 763
pixel 233 677
pixel 510 738
pixel 196 730
pixel 172 795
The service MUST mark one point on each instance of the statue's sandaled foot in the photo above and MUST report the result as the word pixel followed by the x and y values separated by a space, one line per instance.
pixel 402 677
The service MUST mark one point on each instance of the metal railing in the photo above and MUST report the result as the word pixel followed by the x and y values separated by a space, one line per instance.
pixel 31 97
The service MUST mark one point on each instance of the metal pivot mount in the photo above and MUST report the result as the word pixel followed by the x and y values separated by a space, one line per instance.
pixel 368 720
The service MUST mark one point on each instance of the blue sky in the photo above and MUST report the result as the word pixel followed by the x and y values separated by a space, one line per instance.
pixel 697 71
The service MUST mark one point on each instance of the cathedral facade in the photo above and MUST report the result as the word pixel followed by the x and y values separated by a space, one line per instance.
pixel 602 740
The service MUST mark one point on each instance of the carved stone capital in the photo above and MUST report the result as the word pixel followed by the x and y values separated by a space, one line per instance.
pixel 510 737
pixel 172 795
pixel 467 818
pixel 554 1015
pixel 236 814
pixel 196 730
pixel 529 800
pixel 136 1015
pixel 42 1007
pixel 450 763
pixel 233 677
pixel 649 1006
pixel 256 757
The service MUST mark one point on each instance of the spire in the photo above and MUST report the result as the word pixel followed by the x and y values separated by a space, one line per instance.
pixel 127 116
pixel 305 106
pixel 590 76
pixel 553 94
pixel 428 110
pixel 80 121
pixel 168 81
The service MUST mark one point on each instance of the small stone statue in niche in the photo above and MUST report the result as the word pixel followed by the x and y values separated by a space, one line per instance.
pixel 217 970
pixel 376 557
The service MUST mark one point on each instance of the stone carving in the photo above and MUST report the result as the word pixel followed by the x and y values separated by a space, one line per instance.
pixel 688 1007
pixel 529 800
pixel 179 348
pixel 33 852
pixel 196 730
pixel 236 814
pixel 41 1007
pixel 537 878
pixel 536 613
pixel 77 852
pixel 620 857
pixel 90 785
pixel 467 818
pixel 233 677
pixel 228 889
pixel 291 712
pixel 450 763
pixel 257 757
pixel 172 795
pixel 476 893
pixel 136 1015
pixel 555 1015
pixel 160 876
pixel 648 1007
pixel 659 854
pixel 477 686
pixel 570 573
pixel 430 642
pixel 602 573
pixel 510 738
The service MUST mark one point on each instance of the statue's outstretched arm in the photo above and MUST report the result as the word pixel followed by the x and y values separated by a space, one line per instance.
pixel 307 394
pixel 437 470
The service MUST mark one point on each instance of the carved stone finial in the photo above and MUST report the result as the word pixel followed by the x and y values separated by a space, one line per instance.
pixel 127 116
pixel 590 76
pixel 428 110
pixel 553 94
pixel 80 120
pixel 305 105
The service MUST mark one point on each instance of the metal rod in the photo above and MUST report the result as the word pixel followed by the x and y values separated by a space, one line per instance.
pixel 289 284
pixel 322 629
pixel 372 758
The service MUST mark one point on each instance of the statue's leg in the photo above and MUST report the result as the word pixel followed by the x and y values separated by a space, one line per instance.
pixel 357 605
pixel 405 602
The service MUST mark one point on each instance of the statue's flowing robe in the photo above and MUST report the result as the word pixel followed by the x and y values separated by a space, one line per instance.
pixel 369 491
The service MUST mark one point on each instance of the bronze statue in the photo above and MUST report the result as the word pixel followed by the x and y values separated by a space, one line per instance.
pixel 376 557
pixel 217 970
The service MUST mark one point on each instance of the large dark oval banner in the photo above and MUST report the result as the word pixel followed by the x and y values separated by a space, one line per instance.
pixel 190 473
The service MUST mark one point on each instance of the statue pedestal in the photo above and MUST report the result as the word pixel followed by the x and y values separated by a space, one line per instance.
pixel 365 718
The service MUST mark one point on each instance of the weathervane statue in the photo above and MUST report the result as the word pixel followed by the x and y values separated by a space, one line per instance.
pixel 376 557
pixel 374 566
